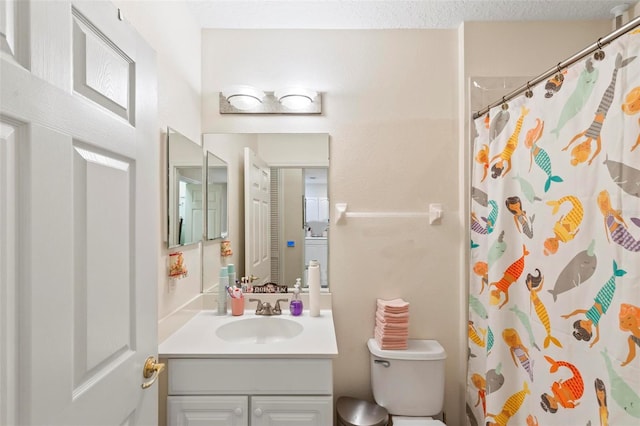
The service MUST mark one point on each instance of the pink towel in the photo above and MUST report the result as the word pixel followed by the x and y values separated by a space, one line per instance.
pixel 392 326
pixel 390 346
pixel 395 306
pixel 392 319
pixel 386 337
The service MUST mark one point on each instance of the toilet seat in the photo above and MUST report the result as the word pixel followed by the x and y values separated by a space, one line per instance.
pixel 415 421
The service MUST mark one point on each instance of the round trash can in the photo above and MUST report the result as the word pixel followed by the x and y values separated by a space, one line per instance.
pixel 356 412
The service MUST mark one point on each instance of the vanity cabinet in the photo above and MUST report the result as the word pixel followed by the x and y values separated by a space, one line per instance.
pixel 250 392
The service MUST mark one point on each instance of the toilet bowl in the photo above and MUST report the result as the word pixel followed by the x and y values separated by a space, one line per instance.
pixel 409 383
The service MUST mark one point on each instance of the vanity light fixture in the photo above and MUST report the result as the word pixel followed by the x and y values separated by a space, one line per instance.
pixel 295 98
pixel 250 100
pixel 244 98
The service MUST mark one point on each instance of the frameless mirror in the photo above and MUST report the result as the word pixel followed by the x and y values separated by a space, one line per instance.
pixel 184 187
pixel 217 175
pixel 276 234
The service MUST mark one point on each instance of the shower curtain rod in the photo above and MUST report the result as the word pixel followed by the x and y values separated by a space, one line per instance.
pixel 603 41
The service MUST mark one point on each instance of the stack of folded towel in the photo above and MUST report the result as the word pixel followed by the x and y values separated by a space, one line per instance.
pixel 392 324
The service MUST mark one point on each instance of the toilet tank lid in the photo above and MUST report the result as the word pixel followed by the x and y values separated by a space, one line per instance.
pixel 417 350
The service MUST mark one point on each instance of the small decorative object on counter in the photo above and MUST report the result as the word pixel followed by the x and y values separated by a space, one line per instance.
pixel 295 306
pixel 225 248
pixel 270 288
pixel 314 288
pixel 177 269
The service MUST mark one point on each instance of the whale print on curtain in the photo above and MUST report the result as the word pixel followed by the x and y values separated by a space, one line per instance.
pixel 554 292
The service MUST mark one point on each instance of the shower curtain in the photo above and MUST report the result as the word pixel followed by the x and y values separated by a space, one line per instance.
pixel 554 291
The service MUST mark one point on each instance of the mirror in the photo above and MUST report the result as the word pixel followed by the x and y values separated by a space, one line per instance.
pixel 184 187
pixel 216 198
pixel 290 159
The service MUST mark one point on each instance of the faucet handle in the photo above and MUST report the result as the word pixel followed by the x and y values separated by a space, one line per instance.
pixel 277 310
pixel 259 306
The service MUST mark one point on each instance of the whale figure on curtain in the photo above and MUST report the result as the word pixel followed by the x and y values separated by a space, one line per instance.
pixel 524 319
pixel 498 124
pixel 582 151
pixel 527 189
pixel 494 378
pixel 479 196
pixel 496 250
pixel 626 177
pixel 621 392
pixel 577 271
pixel 577 100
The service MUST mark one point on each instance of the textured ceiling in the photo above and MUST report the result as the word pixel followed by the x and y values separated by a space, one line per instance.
pixel 361 14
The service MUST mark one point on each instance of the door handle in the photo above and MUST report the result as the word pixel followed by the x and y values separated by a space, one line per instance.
pixel 151 370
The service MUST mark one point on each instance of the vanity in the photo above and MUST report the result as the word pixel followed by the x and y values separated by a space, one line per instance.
pixel 251 370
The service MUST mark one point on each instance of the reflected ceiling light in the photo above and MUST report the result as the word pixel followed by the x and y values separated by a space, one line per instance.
pixel 295 97
pixel 244 97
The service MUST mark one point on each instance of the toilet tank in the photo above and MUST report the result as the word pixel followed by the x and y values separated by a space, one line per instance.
pixel 409 382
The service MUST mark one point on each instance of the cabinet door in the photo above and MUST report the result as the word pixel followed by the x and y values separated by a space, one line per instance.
pixel 291 410
pixel 207 411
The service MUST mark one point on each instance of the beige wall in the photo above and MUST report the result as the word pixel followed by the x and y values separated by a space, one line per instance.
pixel 174 34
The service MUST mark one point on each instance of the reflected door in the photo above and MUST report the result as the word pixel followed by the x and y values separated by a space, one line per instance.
pixel 84 115
pixel 257 211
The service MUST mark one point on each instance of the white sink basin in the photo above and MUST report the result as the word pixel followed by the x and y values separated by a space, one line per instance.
pixel 259 330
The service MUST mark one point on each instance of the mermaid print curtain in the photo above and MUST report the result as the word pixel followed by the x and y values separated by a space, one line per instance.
pixel 554 292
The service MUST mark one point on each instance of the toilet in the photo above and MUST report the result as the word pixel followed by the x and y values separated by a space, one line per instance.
pixel 409 383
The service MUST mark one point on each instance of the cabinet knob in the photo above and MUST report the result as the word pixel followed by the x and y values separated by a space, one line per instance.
pixel 238 411
pixel 257 412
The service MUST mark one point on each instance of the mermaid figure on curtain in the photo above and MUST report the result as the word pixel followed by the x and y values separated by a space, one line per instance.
pixel 564 393
pixel 583 329
pixel 615 226
pixel 581 151
pixel 566 228
pixel 630 321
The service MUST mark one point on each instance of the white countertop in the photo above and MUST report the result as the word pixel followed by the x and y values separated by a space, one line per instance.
pixel 198 339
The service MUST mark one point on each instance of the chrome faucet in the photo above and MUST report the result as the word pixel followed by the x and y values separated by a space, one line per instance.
pixel 266 308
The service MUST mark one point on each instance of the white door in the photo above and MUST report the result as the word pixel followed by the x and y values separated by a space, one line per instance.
pixel 257 217
pixel 79 91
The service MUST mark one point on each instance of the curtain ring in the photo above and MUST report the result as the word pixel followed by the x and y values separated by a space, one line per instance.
pixel 559 76
pixel 528 93
pixel 599 54
pixel 505 105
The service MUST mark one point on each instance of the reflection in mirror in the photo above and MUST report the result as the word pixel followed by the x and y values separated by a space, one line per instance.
pixel 184 187
pixel 216 198
pixel 286 244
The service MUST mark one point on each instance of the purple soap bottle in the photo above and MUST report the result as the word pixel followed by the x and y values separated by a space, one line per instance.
pixel 295 306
